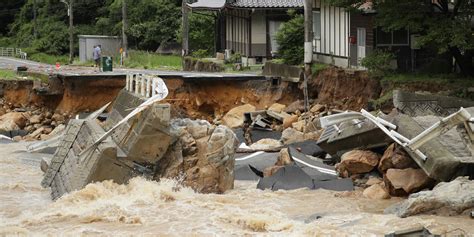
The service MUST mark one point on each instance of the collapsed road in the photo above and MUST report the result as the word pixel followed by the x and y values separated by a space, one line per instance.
pixel 325 156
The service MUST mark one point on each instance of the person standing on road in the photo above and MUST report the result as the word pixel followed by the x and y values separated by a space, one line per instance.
pixel 96 53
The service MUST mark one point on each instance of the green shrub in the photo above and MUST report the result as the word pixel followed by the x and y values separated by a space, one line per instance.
pixel 200 53
pixel 235 58
pixel 378 62
pixel 290 39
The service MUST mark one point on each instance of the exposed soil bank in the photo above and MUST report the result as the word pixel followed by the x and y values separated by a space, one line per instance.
pixel 344 89
pixel 209 99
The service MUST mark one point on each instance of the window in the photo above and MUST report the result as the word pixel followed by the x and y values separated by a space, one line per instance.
pixel 395 38
pixel 317 24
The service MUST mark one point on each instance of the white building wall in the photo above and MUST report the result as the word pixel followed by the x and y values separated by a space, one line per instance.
pixel 334 40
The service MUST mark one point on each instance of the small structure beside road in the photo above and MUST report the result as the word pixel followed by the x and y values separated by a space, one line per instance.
pixel 110 46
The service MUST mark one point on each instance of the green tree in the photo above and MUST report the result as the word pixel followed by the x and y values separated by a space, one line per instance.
pixel 290 39
pixel 201 32
pixel 444 24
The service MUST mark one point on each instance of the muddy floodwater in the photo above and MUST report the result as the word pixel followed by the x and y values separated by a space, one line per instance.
pixel 149 208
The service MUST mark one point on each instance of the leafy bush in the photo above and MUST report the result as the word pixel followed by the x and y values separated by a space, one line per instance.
pixel 378 62
pixel 290 39
pixel 201 32
pixel 201 53
pixel 235 58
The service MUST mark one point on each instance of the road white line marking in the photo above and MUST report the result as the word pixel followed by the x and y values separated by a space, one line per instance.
pixel 250 156
pixel 320 169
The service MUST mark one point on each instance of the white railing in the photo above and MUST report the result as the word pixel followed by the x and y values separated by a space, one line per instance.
pixel 142 84
pixel 12 52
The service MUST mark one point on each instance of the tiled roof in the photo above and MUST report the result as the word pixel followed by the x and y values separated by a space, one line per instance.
pixel 267 3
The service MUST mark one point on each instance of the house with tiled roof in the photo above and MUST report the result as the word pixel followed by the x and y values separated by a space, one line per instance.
pixel 248 27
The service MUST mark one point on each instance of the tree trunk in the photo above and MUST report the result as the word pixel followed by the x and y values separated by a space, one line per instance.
pixel 463 61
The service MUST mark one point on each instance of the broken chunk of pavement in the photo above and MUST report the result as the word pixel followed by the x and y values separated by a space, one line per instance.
pixel 401 182
pixel 235 117
pixel 446 198
pixel 266 144
pixel 287 178
pixel 357 162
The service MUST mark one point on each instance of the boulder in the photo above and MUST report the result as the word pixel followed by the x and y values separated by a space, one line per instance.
pixel 235 117
pixel 401 182
pixel 446 198
pixel 300 125
pixel 277 107
pixel 37 118
pixel 12 121
pixel 287 122
pixel 357 162
pixel 395 157
pixel 284 158
pixel 373 180
pixel 291 135
pixel 295 106
pixel 58 117
pixel 317 108
pixel 376 191
pixel 266 144
pixel 269 171
pixel 206 164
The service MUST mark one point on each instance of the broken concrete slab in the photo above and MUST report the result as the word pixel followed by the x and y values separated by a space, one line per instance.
pixel 417 104
pixel 258 134
pixel 312 166
pixel 440 163
pixel 446 198
pixel 309 148
pixel 287 178
pixel 334 184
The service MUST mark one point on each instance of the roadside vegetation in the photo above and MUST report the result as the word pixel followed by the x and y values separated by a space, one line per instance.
pixel 7 74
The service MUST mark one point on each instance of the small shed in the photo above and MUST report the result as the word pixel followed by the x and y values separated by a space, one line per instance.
pixel 110 46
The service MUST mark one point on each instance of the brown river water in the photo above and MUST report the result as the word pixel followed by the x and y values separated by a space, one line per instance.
pixel 149 208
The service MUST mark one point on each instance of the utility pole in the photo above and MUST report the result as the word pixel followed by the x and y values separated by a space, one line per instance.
pixel 70 5
pixel 124 28
pixel 185 23
pixel 35 25
pixel 308 48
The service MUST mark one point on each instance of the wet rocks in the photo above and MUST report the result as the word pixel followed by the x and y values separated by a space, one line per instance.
pixel 446 198
pixel 376 191
pixel 12 121
pixel 203 159
pixel 401 182
pixel 395 157
pixel 288 121
pixel 357 162
pixel 276 107
pixel 235 117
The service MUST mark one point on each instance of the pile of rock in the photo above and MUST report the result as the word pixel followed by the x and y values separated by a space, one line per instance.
pixel 30 123
pixel 294 124
pixel 392 174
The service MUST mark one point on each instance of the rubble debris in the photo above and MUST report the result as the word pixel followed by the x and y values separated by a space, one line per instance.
pixel 310 148
pixel 276 107
pixel 417 231
pixel 401 182
pixel 395 157
pixel 201 152
pixel 446 198
pixel 12 121
pixel 287 178
pixel 258 134
pixel 376 191
pixel 288 121
pixel 357 162
pixel 248 167
pixel 235 117
pixel 291 135
pixel 266 144
pixel 295 107
pixel 284 158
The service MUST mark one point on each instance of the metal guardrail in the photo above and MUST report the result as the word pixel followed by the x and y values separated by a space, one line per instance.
pixel 12 52
pixel 143 85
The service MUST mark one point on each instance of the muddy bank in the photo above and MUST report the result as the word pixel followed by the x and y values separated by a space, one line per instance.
pixel 345 89
pixel 212 99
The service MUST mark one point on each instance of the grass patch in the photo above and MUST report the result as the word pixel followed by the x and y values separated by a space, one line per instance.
pixel 436 78
pixel 7 74
pixel 146 60
pixel 49 59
